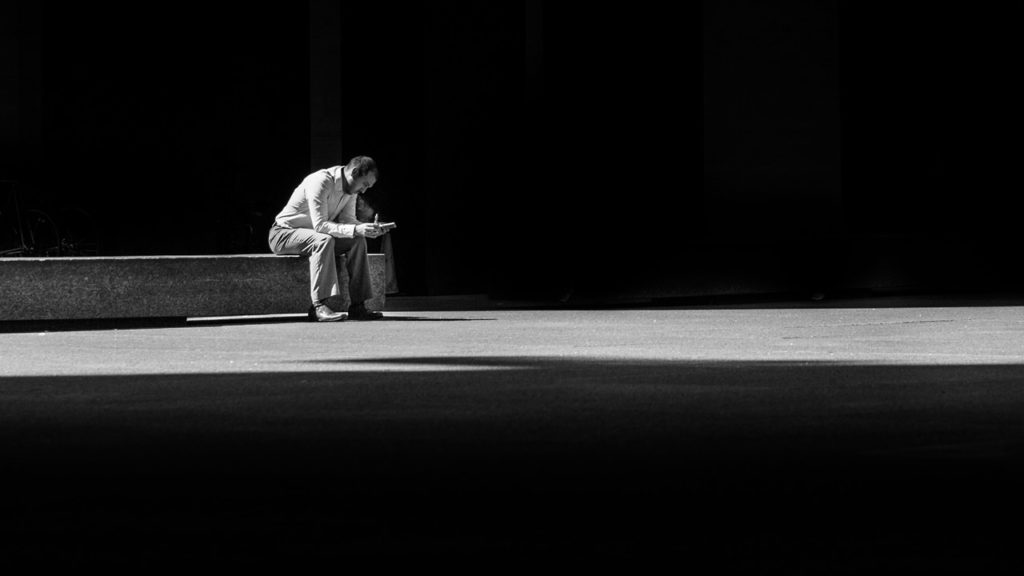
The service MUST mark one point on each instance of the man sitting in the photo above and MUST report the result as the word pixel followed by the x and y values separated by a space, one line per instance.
pixel 319 221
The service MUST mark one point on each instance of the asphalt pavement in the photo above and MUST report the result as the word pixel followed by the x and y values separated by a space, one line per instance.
pixel 830 438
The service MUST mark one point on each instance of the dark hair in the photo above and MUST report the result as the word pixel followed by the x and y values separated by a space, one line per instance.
pixel 362 165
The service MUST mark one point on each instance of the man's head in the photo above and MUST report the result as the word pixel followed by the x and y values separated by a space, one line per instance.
pixel 361 174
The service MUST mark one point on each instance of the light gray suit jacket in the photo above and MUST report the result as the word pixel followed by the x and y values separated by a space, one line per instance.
pixel 320 203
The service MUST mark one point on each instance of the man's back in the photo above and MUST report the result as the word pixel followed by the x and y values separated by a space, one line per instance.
pixel 318 198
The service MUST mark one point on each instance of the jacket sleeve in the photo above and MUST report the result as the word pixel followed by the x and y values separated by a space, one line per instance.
pixel 348 213
pixel 316 192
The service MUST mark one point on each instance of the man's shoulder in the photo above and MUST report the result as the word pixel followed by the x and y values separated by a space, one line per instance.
pixel 321 176
pixel 334 172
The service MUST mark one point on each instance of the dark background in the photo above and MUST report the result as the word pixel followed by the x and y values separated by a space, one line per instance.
pixel 529 149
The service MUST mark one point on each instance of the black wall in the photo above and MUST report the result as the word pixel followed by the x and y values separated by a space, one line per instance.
pixel 437 93
pixel 852 145
pixel 623 211
pixel 771 145
pixel 534 149
pixel 931 113
pixel 170 124
pixel 183 128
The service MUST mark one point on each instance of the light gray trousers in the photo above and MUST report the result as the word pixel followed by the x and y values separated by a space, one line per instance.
pixel 324 251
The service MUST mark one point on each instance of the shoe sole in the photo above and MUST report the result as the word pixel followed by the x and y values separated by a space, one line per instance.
pixel 338 319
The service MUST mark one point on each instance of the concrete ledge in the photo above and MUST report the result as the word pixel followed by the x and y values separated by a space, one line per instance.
pixel 163 286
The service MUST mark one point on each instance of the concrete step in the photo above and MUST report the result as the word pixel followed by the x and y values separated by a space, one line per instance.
pixel 164 286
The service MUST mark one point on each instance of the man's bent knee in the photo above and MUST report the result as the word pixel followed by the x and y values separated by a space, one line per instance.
pixel 322 242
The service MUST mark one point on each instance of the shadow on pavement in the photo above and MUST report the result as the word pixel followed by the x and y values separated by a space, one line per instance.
pixel 792 466
pixel 25 326
pixel 388 317
pixel 301 318
pixel 29 326
pixel 839 300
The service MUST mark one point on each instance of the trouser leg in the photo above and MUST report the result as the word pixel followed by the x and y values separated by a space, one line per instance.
pixel 358 264
pixel 320 248
pixel 390 279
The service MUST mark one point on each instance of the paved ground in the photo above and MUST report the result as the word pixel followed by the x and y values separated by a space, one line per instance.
pixel 836 438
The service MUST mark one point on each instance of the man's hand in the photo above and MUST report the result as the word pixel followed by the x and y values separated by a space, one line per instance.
pixel 369 230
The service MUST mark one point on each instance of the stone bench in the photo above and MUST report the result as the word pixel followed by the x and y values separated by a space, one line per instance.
pixel 164 286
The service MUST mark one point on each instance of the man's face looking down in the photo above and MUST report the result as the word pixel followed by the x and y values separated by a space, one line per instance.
pixel 361 184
